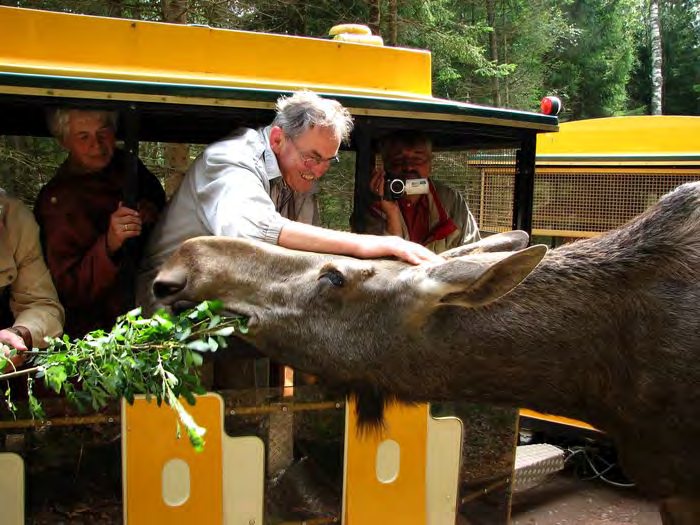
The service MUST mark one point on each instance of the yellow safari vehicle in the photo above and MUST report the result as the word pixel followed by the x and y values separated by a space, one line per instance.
pixel 187 84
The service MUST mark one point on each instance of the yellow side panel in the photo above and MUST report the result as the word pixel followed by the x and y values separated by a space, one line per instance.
pixel 159 467
pixel 645 135
pixel 369 501
pixel 556 419
pixel 63 44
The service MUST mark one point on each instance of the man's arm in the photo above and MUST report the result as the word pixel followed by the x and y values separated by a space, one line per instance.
pixel 298 236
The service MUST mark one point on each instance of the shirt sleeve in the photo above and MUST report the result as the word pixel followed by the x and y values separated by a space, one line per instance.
pixel 230 186
pixel 463 218
pixel 33 299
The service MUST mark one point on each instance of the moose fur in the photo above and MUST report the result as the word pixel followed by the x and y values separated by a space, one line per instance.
pixel 606 330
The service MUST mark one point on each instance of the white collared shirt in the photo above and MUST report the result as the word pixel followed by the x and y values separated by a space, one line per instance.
pixel 229 190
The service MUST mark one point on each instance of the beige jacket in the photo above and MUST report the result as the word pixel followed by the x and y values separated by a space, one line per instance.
pixel 24 278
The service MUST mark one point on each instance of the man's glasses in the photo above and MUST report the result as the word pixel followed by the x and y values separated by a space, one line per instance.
pixel 311 160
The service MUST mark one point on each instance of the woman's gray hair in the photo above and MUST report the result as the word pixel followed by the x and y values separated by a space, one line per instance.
pixel 59 119
pixel 305 110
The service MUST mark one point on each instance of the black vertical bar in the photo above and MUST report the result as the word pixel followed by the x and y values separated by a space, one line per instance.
pixel 524 185
pixel 130 193
pixel 130 125
pixel 364 164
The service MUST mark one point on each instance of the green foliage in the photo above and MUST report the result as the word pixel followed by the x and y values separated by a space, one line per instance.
pixel 591 73
pixel 456 33
pixel 157 357
pixel 335 198
pixel 26 164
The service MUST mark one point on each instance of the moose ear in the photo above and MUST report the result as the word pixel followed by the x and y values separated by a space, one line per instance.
pixel 479 279
pixel 500 242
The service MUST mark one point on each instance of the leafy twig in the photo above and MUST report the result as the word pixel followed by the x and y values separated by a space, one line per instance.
pixel 156 356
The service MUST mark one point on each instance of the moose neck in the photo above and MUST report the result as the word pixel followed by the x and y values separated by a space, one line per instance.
pixel 550 344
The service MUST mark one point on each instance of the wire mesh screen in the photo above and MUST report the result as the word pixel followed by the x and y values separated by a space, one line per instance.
pixel 568 202
pixel 582 202
pixel 485 179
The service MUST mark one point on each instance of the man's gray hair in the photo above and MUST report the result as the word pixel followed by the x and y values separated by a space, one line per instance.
pixel 59 119
pixel 305 110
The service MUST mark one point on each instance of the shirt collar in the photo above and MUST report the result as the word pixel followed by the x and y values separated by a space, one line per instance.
pixel 272 168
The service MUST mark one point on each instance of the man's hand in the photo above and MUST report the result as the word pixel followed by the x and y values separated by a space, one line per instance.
pixel 372 246
pixel 389 207
pixel 124 224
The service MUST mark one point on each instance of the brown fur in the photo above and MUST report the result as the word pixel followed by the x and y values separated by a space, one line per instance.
pixel 606 330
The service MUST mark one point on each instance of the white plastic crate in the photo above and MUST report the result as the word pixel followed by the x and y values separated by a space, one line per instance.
pixel 533 463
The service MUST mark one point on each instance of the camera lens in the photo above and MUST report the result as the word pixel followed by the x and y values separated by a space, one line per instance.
pixel 397 186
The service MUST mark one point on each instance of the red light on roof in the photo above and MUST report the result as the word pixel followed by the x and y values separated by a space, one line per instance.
pixel 550 105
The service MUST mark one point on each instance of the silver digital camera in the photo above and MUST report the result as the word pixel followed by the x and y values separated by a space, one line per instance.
pixel 397 187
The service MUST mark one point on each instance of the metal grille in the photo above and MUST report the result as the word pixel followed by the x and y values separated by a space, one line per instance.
pixel 568 202
pixel 485 179
pixel 583 203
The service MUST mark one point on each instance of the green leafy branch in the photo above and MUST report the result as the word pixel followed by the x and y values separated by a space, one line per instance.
pixel 156 356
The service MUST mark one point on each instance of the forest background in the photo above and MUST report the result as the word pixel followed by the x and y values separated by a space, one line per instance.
pixel 601 57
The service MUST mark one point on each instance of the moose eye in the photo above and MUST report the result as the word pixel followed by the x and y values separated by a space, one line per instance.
pixel 334 277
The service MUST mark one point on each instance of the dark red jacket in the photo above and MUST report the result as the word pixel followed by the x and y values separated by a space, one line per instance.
pixel 73 211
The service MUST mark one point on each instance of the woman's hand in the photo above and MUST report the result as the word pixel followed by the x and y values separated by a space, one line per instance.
pixel 124 224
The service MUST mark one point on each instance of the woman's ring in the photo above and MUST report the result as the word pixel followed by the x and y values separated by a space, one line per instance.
pixel 126 227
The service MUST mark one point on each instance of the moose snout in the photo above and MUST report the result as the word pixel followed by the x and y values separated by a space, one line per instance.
pixel 168 284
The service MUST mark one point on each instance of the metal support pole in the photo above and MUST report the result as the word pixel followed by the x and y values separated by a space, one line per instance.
pixel 130 194
pixel 364 163
pixel 524 185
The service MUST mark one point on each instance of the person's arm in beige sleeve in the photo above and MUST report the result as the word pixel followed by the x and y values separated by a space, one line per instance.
pixel 33 299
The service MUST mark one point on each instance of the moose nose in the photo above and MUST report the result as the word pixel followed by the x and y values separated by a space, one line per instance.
pixel 167 286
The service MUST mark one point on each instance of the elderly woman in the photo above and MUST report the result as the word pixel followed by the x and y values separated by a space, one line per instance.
pixel 84 223
pixel 29 307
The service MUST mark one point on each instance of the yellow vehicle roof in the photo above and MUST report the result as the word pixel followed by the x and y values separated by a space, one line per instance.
pixel 48 54
pixel 623 140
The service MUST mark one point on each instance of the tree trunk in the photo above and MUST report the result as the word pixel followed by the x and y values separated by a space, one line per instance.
pixel 174 11
pixel 493 44
pixel 115 8
pixel 657 79
pixel 375 16
pixel 177 156
pixel 393 22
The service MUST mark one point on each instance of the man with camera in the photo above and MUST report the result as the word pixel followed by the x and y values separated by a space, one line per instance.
pixel 411 205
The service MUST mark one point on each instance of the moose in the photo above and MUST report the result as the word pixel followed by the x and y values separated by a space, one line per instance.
pixel 605 330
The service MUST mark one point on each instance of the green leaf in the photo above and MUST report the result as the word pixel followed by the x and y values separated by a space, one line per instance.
pixel 225 332
pixel 198 345
pixel 197 359
pixel 55 377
